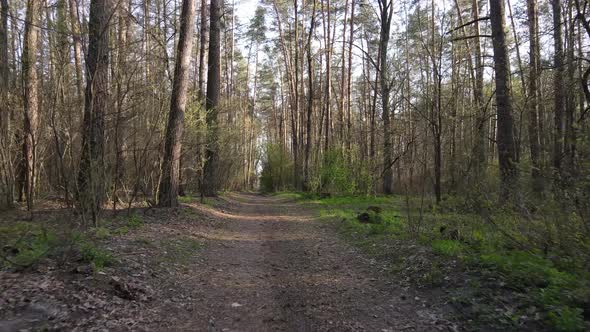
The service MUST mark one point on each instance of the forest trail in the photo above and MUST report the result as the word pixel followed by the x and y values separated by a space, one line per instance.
pixel 273 266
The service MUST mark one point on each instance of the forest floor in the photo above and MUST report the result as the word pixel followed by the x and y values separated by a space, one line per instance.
pixel 243 262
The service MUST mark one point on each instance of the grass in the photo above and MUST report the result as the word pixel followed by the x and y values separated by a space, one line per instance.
pixel 560 290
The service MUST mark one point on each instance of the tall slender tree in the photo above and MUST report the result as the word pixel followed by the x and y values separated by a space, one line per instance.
pixel 91 186
pixel 168 191
pixel 210 181
pixel 505 133
pixel 386 14
pixel 31 95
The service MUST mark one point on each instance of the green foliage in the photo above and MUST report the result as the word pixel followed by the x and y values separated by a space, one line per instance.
pixel 25 244
pixel 277 169
pixel 97 257
pixel 448 247
pixel 335 174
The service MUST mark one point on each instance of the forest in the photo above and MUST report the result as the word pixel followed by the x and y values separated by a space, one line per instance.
pixel 162 147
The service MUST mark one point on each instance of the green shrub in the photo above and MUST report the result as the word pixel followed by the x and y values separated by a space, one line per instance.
pixel 102 233
pixel 27 243
pixel 277 169
pixel 567 319
pixel 134 221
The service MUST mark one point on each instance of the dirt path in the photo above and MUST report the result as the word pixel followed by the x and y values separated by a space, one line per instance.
pixel 252 263
pixel 272 267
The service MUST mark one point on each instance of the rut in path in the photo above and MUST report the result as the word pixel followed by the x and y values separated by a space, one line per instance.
pixel 273 267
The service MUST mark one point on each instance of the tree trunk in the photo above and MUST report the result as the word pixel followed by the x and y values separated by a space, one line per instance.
pixel 558 93
pixel 202 47
pixel 168 193
pixel 310 97
pixel 77 37
pixel 386 12
pixel 6 192
pixel 210 181
pixel 533 102
pixel 31 97
pixel 91 187
pixel 505 134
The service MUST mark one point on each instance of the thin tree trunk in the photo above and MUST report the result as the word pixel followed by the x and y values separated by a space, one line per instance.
pixel 558 93
pixel 77 37
pixel 386 12
pixel 310 97
pixel 31 97
pixel 533 95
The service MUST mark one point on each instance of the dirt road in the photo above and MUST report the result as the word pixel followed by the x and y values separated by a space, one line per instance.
pixel 251 263
pixel 274 267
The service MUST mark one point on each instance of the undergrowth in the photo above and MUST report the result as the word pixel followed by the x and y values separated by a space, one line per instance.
pixel 553 280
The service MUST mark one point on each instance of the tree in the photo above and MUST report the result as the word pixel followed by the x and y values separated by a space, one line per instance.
pixel 559 99
pixel 386 14
pixel 505 136
pixel 31 95
pixel 533 94
pixel 91 186
pixel 168 193
pixel 6 180
pixel 210 181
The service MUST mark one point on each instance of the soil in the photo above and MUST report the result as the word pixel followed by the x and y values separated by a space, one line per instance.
pixel 248 263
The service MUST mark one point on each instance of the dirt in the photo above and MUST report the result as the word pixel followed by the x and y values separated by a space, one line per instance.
pixel 262 264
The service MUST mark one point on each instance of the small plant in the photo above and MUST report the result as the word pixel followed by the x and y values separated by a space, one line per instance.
pixel 134 221
pixel 97 257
